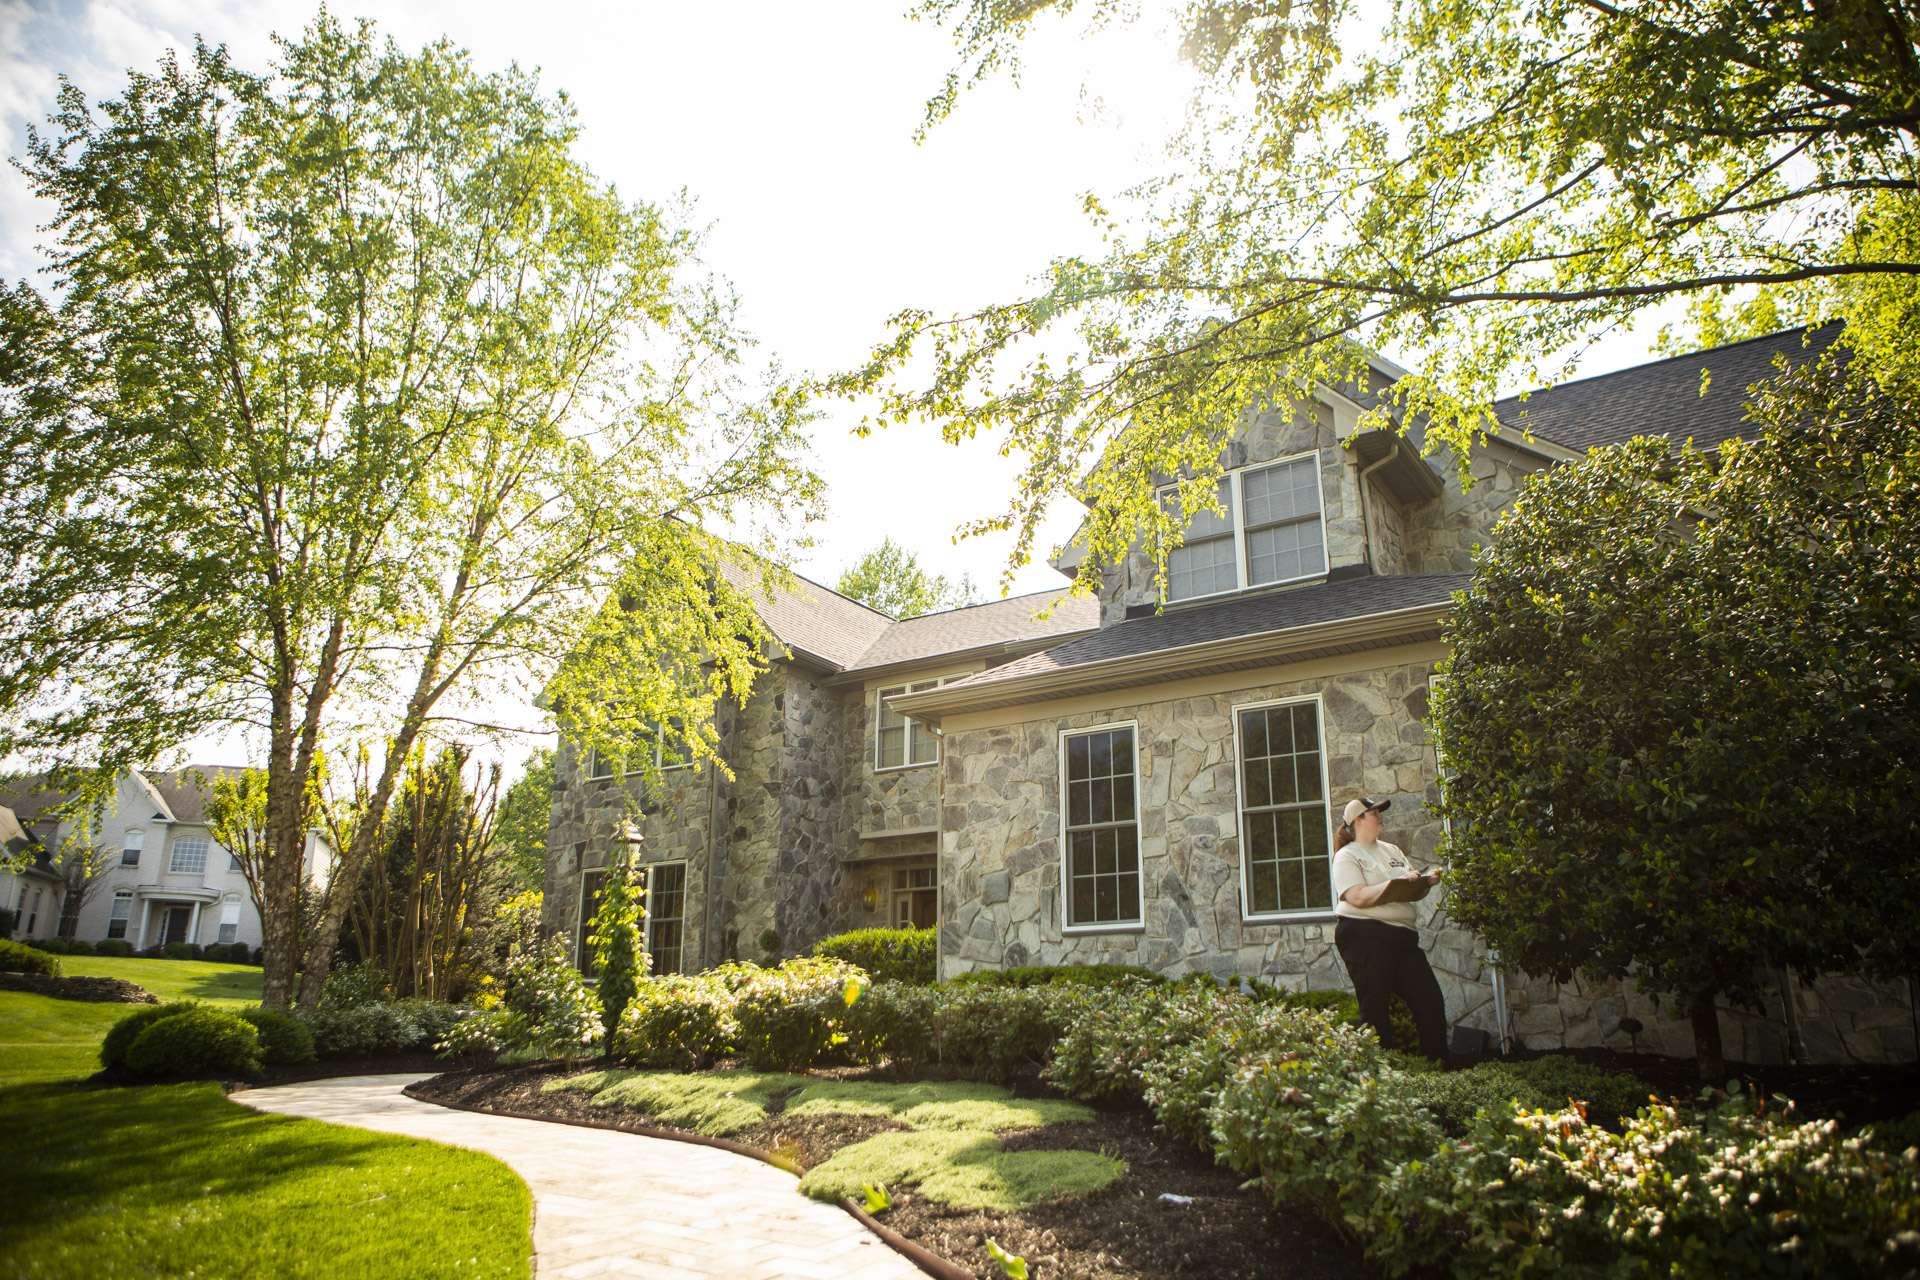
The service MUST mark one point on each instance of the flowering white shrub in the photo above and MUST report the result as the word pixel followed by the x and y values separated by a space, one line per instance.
pixel 678 1021
pixel 547 1009
pixel 789 1018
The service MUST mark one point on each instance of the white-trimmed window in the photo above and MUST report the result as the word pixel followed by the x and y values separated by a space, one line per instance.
pixel 665 886
pixel 189 855
pixel 603 767
pixel 130 846
pixel 590 883
pixel 229 919
pixel 901 742
pixel 916 897
pixel 122 912
pixel 1100 828
pixel 1286 856
pixel 1273 529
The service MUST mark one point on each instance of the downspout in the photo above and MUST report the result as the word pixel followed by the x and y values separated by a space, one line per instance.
pixel 1796 1047
pixel 1500 1003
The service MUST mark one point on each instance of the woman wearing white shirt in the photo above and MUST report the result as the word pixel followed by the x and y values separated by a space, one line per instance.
pixel 1377 933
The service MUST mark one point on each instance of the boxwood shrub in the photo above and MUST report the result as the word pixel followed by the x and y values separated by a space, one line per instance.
pixel 113 947
pixel 18 958
pixel 195 1042
pixel 677 1021
pixel 381 1028
pixel 284 1039
pixel 886 955
pixel 121 1035
pixel 788 1018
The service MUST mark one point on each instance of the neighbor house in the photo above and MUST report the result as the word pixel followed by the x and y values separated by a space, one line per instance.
pixel 158 874
pixel 1150 779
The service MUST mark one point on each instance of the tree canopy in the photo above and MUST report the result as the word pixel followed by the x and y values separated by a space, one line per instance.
pixel 355 399
pixel 1478 190
pixel 890 578
pixel 1681 717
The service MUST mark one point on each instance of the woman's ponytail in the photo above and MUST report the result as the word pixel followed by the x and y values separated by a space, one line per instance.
pixel 1342 836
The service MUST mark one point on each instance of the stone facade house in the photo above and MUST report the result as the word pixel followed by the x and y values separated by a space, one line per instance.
pixel 1154 782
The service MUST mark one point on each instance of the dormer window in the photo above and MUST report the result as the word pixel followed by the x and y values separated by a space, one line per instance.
pixel 1273 530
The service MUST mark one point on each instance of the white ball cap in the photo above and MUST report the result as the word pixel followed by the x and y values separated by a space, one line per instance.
pixel 1357 807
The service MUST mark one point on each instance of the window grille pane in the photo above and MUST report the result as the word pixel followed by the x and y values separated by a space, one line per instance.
pixel 893 746
pixel 1285 551
pixel 122 910
pixel 1103 852
pixel 131 845
pixel 1201 569
pixel 1283 810
pixel 229 933
pixel 189 855
pixel 666 886
pixel 1283 522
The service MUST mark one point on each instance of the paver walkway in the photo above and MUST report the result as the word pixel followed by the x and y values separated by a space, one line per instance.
pixel 618 1204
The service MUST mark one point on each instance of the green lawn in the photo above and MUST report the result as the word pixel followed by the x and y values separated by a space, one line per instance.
pixel 174 1180
pixel 234 985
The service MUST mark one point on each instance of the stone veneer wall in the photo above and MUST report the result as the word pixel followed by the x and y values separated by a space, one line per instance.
pixel 582 835
pixel 1000 874
pixel 817 823
pixel 889 799
pixel 1441 535
pixel 1387 524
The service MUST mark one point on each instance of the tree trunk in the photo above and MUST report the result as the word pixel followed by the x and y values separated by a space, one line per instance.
pixel 284 843
pixel 1707 1050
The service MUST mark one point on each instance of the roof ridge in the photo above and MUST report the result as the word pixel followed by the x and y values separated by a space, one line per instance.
pixel 1685 355
pixel 842 595
pixel 982 604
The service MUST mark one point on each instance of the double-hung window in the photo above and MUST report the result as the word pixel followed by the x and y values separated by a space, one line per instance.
pixel 122 912
pixel 900 742
pixel 1101 828
pixel 1272 529
pixel 1285 859
pixel 130 846
pixel 665 885
pixel 590 885
pixel 599 766
pixel 230 919
pixel 189 855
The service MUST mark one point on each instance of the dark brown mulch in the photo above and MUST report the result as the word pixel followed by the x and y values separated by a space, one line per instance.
pixel 92 990
pixel 1126 1232
pixel 391 1064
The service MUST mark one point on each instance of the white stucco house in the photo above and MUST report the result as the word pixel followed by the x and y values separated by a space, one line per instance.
pixel 166 878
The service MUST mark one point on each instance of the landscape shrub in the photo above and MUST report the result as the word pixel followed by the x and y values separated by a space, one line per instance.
pixel 893 1022
pixel 1003 1033
pixel 677 1021
pixel 547 1010
pixel 1041 975
pixel 180 951
pixel 1550 1083
pixel 1732 1191
pixel 1183 1083
pixel 1343 1006
pixel 284 1039
pixel 788 1018
pixel 228 953
pixel 113 947
pixel 18 958
pixel 121 1035
pixel 349 985
pixel 1320 1122
pixel 62 946
pixel 885 955
pixel 195 1042
pixel 1100 1059
pixel 380 1028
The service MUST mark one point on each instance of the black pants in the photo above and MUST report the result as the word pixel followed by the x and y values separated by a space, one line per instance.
pixel 1385 960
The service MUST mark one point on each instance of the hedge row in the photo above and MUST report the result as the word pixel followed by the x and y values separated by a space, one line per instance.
pixel 219 952
pixel 185 1039
pixel 16 958
pixel 887 955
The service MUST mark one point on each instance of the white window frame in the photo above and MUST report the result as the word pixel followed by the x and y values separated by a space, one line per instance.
pixel 124 921
pixel 647 871
pixel 659 762
pixel 1237 491
pixel 1139 922
pixel 880 697
pixel 173 855
pixel 139 847
pixel 1247 914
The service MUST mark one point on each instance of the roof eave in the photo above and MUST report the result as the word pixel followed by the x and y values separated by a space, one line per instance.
pixel 998 649
pixel 1264 648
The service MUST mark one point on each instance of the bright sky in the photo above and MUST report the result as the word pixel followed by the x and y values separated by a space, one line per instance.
pixel 792 127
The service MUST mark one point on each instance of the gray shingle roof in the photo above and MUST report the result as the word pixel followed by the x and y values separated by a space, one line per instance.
pixel 188 790
pixel 978 626
pixel 1663 398
pixel 808 617
pixel 1232 619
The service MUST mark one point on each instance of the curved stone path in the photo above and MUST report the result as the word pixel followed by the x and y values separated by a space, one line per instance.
pixel 619 1204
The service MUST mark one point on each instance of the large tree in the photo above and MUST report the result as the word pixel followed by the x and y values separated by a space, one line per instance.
pixel 1477 189
pixel 890 578
pixel 1681 718
pixel 354 400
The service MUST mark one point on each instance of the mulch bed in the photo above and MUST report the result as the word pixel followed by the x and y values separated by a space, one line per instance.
pixel 1125 1231
pixel 92 990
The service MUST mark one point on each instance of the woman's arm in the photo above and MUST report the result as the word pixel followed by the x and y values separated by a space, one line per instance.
pixel 1402 889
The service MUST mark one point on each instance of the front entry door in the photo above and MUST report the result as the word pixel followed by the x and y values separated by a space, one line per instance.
pixel 177 919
